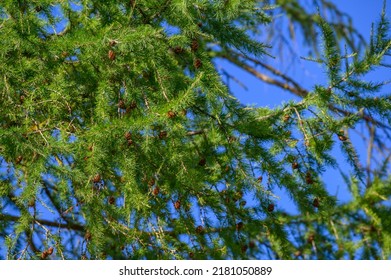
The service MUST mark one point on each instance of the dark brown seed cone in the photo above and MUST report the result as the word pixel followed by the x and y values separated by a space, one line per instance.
pixel 184 112
pixel 270 207
pixel 191 255
pixel 162 134
pixel 21 98
pixel 231 139
pixel 197 63
pixel 199 229
pixel 151 182
pixel 177 205
pixel 251 244
pixel 128 135
pixel 38 9
pixel 239 226
pixel 87 236
pixel 111 55
pixel 295 165
pixel 343 138
pixel 112 43
pixel 121 104
pixel 156 191
pixel 202 162
pixel 96 178
pixel 244 248
pixel 243 203
pixel 260 178
pixel 130 142
pixel 199 24
pixel 308 178
pixel 311 238
pixel 194 45
pixel 50 251
pixel 171 114
pixel 132 105
pixel 111 200
pixel 19 159
pixel 316 203
pixel 286 118
pixel 44 255
pixel 178 50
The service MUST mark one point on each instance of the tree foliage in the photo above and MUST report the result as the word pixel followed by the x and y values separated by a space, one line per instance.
pixel 120 138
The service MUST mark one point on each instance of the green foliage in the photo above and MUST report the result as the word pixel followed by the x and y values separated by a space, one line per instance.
pixel 122 141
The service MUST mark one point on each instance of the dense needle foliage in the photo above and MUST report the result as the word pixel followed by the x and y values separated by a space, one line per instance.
pixel 120 139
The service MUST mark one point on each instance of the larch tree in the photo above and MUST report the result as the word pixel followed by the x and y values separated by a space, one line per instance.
pixel 121 138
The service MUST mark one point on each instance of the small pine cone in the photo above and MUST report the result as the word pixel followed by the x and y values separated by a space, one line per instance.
pixel 243 203
pixel 194 45
pixel 239 226
pixel 199 24
pixel 156 191
pixel 111 55
pixel 286 118
pixel 191 255
pixel 112 43
pixel 50 251
pixel 308 178
pixel 270 207
pixel 244 248
pixel 121 104
pixel 202 162
pixel 251 244
pixel 87 236
pixel 44 254
pixel 311 238
pixel 343 138
pixel 184 112
pixel 111 200
pixel 171 114
pixel 130 142
pixel 38 8
pixel 260 178
pixel 231 139
pixel 316 203
pixel 21 99
pixel 199 229
pixel 197 63
pixel 128 135
pixel 177 205
pixel 295 165
pixel 162 134
pixel 96 178
pixel 178 50
pixel 151 182
pixel 19 159
pixel 132 105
